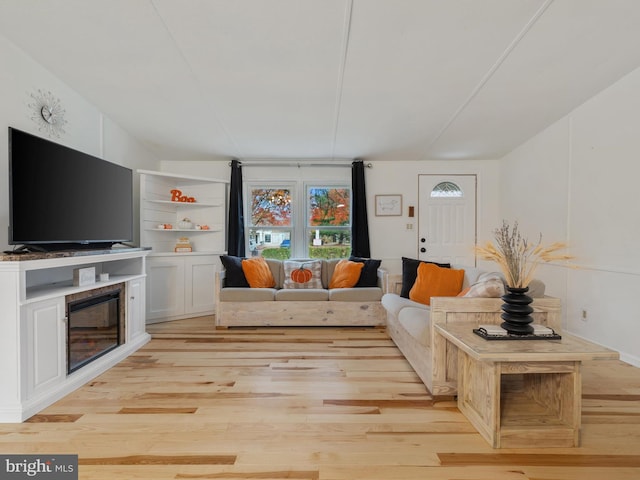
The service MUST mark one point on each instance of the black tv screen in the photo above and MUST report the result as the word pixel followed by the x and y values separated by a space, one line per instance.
pixel 61 198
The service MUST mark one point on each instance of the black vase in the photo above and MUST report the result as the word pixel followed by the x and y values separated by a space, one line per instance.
pixel 517 311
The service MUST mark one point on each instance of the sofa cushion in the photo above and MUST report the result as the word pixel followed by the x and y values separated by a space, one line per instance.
pixel 434 281
pixel 346 274
pixel 394 303
pixel 356 294
pixel 328 267
pixel 277 270
pixel 369 274
pixel 417 321
pixel 536 288
pixel 244 294
pixel 302 274
pixel 234 276
pixel 410 271
pixel 258 273
pixel 302 294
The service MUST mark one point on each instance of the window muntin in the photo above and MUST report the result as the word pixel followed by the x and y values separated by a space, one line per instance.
pixel 446 189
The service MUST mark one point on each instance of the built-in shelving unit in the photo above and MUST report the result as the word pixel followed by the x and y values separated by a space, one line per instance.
pixel 206 214
pixel 181 284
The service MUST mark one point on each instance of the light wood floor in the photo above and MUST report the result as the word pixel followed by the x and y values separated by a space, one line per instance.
pixel 306 403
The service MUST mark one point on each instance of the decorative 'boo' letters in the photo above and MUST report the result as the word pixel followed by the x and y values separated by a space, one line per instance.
pixel 177 196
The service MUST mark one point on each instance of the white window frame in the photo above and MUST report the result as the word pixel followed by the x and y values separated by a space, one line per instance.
pixel 248 200
pixel 308 229
pixel 300 228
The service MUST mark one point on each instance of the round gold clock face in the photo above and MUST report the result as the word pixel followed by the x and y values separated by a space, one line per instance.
pixel 47 113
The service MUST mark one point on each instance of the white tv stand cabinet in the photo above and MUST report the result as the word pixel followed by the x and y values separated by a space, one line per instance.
pixel 33 349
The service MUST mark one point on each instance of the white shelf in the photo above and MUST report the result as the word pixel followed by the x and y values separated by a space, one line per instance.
pixel 61 289
pixel 180 178
pixel 185 204
pixel 187 254
pixel 192 230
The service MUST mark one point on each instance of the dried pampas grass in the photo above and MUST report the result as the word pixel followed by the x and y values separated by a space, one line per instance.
pixel 517 258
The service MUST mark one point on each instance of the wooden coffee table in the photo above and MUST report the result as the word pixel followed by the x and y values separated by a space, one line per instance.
pixel 522 393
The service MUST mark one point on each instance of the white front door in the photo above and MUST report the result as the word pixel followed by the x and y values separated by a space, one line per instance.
pixel 447 218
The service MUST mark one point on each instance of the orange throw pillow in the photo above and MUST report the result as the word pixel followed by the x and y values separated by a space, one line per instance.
pixel 257 272
pixel 433 281
pixel 346 274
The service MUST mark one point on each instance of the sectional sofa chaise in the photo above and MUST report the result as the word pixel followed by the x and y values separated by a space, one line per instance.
pixel 411 324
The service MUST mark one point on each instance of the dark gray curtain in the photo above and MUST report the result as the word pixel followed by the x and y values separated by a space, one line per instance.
pixel 235 231
pixel 360 223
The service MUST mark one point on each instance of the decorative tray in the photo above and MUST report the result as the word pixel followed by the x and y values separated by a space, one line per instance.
pixel 481 332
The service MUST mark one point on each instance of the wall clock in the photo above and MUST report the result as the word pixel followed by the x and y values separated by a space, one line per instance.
pixel 47 113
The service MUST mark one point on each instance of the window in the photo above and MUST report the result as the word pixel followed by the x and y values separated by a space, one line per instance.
pixel 271 221
pixel 446 189
pixel 328 227
pixel 284 223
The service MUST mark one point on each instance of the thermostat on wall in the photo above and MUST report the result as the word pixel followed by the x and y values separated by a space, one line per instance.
pixel 84 276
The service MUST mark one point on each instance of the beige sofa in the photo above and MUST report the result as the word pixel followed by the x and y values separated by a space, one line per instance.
pixel 244 306
pixel 410 325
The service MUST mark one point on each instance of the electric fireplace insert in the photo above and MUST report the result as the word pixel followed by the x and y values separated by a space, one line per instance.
pixel 94 324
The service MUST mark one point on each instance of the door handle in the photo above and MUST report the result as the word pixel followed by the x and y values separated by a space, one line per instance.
pixel 422 240
pixel 423 250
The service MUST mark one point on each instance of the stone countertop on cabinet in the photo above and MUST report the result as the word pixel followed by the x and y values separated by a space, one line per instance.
pixel 18 257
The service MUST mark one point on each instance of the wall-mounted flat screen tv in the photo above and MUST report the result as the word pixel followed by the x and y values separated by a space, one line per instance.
pixel 61 198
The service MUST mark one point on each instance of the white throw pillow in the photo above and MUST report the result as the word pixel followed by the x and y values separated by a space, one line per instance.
pixel 489 285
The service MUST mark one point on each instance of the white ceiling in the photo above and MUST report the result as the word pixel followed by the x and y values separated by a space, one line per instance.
pixel 373 79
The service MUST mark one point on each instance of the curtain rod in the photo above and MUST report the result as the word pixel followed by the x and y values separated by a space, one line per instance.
pixel 297 164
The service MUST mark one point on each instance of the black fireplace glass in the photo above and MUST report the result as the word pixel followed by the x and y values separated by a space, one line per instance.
pixel 93 328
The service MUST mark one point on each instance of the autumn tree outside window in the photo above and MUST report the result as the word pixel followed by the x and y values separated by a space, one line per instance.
pixel 271 221
pixel 271 207
pixel 328 226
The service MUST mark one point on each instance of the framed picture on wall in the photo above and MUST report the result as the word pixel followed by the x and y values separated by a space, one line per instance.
pixel 388 205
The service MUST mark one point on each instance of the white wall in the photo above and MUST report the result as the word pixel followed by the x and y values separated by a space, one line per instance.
pixel 576 182
pixel 389 236
pixel 87 129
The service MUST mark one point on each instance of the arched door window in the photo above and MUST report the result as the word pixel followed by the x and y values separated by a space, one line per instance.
pixel 446 189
